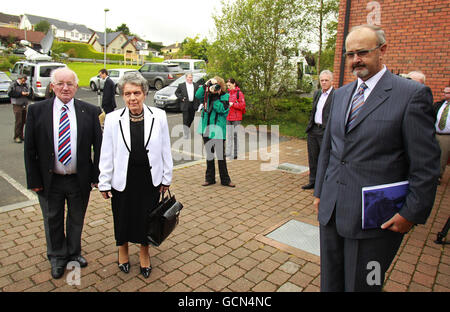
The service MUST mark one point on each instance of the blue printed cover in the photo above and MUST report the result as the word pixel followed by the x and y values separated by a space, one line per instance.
pixel 382 202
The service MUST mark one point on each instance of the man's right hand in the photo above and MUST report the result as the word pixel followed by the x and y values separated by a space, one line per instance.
pixel 316 203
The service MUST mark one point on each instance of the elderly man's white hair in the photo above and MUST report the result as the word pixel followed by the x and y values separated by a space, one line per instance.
pixel 417 76
pixel 61 69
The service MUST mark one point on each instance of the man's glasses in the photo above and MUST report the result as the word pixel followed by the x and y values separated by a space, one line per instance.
pixel 62 84
pixel 360 53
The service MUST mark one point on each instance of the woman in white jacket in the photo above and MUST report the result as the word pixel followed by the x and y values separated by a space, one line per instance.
pixel 135 166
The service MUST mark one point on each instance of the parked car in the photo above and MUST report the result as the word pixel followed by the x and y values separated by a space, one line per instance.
pixel 166 99
pixel 189 65
pixel 115 74
pixel 5 82
pixel 38 75
pixel 160 75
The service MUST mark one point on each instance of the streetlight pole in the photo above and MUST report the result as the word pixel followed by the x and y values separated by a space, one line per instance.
pixel 104 60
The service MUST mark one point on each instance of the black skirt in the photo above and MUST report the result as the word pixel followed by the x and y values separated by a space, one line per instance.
pixel 130 207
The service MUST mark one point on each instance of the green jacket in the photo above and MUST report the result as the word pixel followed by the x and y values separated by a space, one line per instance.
pixel 217 117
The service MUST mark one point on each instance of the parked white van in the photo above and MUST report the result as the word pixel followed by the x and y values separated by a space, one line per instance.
pixel 189 65
pixel 38 74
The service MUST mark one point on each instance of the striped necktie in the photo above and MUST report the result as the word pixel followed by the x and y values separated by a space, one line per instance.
pixel 64 153
pixel 357 103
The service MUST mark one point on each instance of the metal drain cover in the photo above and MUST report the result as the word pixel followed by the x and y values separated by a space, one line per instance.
pixel 299 235
pixel 293 168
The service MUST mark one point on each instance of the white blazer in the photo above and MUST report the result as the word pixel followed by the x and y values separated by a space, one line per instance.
pixel 116 148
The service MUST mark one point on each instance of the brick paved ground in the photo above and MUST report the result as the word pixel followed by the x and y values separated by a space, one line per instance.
pixel 219 244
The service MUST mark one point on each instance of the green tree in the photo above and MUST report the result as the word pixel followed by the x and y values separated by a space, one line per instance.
pixel 124 28
pixel 194 48
pixel 323 14
pixel 255 42
pixel 42 26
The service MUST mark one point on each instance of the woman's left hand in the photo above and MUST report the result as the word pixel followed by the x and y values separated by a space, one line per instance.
pixel 164 188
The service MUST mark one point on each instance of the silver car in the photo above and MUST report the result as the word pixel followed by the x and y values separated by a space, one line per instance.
pixel 5 82
pixel 115 74
pixel 166 98
pixel 160 75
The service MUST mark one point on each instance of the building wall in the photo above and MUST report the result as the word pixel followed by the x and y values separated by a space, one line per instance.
pixel 417 34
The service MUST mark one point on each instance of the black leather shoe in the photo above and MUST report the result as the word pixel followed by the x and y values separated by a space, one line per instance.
pixel 308 186
pixel 124 267
pixel 81 260
pixel 146 271
pixel 57 272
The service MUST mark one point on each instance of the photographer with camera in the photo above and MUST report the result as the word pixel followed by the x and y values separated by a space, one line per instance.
pixel 212 127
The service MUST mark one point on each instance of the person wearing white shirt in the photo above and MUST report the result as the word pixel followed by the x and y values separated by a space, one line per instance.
pixel 185 93
pixel 62 151
pixel 442 126
pixel 317 122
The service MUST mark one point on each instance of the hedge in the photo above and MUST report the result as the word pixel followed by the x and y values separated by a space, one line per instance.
pixel 82 50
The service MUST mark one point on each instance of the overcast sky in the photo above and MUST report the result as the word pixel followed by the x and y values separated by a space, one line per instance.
pixel 166 21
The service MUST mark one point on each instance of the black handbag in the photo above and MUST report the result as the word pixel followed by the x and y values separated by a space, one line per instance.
pixel 163 219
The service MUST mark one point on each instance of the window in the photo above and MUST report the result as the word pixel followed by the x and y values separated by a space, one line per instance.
pixel 28 70
pixel 183 65
pixel 145 68
pixel 113 73
pixel 199 65
pixel 45 71
pixel 17 68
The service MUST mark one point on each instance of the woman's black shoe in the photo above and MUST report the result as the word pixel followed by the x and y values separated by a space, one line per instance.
pixel 124 267
pixel 146 271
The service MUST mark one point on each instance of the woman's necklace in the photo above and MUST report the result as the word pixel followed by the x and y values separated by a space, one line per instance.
pixel 136 118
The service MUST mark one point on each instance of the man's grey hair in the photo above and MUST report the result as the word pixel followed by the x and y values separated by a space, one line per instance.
pixel 61 69
pixel 134 78
pixel 327 72
pixel 379 32
pixel 189 73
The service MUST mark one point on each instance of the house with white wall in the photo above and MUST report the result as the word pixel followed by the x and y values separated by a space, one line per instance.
pixel 62 31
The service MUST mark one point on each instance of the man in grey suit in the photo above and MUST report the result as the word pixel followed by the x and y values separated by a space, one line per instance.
pixel 380 130
pixel 317 122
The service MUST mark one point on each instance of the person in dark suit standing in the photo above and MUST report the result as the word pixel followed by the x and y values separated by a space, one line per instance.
pixel 109 92
pixel 186 96
pixel 380 130
pixel 441 111
pixel 317 122
pixel 60 135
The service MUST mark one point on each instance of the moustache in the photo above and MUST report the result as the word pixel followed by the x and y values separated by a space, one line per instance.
pixel 354 66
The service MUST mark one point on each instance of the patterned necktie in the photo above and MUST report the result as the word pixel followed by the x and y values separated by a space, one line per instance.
pixel 357 103
pixel 444 115
pixel 64 153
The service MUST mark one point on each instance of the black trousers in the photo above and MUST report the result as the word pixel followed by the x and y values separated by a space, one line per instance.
pixel 63 245
pixel 354 265
pixel 216 146
pixel 314 140
pixel 188 115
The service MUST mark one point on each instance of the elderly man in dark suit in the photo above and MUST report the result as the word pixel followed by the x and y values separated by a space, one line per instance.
pixel 380 131
pixel 109 92
pixel 185 93
pixel 61 135
pixel 317 122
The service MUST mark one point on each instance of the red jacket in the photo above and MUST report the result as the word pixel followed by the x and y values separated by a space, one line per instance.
pixel 238 107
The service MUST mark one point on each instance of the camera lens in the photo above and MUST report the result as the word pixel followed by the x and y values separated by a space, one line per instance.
pixel 216 87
